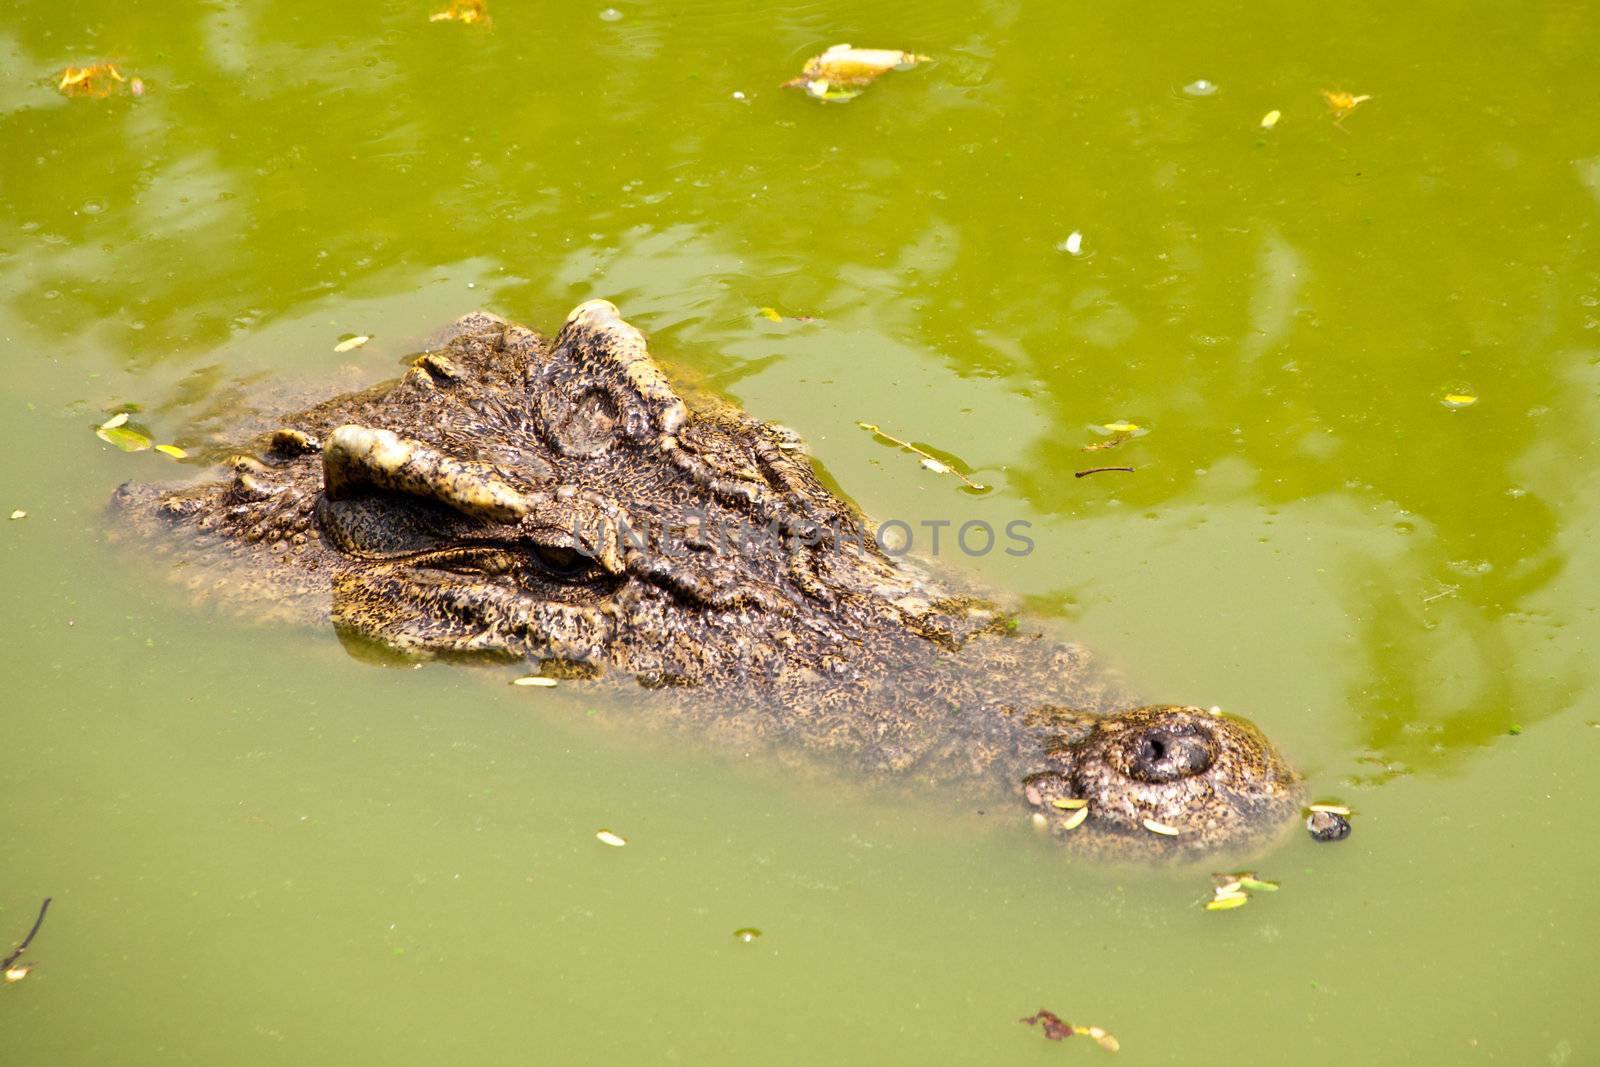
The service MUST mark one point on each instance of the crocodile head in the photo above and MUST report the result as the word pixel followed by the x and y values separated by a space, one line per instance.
pixel 561 503
pixel 1162 781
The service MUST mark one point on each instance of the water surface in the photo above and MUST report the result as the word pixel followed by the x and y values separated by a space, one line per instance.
pixel 262 850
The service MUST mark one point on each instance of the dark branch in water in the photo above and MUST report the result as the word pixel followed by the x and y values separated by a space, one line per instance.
pixel 1097 470
pixel 9 960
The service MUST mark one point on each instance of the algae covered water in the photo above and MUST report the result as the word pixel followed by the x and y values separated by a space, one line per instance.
pixel 1351 354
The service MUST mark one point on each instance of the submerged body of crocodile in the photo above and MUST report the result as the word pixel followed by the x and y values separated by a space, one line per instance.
pixel 561 503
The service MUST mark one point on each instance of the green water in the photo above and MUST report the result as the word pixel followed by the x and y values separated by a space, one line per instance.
pixel 264 851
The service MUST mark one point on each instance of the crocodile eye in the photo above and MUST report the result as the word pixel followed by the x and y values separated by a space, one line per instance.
pixel 1168 753
pixel 565 563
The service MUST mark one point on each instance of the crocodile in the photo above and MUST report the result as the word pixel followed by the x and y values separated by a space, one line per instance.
pixel 560 503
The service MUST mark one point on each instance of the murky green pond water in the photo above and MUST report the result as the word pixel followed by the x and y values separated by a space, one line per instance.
pixel 264 851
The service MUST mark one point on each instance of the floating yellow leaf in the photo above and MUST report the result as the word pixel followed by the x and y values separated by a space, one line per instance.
pixel 1075 820
pixel 94 81
pixel 113 432
pixel 1160 828
pixel 1332 809
pixel 1069 803
pixel 1341 104
pixel 16 973
pixel 1101 1038
pixel 172 450
pixel 465 12
pixel 353 341
pixel 1228 902
pixel 842 72
pixel 606 837
pixel 1458 400
pixel 18 514
pixel 1270 119
pixel 1257 885
pixel 771 313
pixel 534 680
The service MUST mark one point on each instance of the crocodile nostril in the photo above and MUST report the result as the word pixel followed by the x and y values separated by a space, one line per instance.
pixel 1165 754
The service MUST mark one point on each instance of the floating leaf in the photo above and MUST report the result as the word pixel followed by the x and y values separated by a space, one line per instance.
pixel 1058 1029
pixel 113 432
pixel 1270 119
pixel 1075 820
pixel 16 972
pixel 172 450
pixel 1332 809
pixel 842 72
pixel 465 12
pixel 1069 803
pixel 1341 104
pixel 1228 902
pixel 94 81
pixel 771 313
pixel 1257 885
pixel 18 514
pixel 1160 828
pixel 351 341
pixel 930 461
pixel 1458 400
pixel 748 934
pixel 606 837
pixel 534 680
pixel 1073 245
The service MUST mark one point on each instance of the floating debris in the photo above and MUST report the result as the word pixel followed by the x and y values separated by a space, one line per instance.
pixel 1075 820
pixel 465 12
pixel 930 461
pixel 1200 87
pixel 1327 825
pixel 1058 1029
pixel 1335 809
pixel 10 969
pixel 18 514
pixel 843 73
pixel 1160 828
pixel 1069 803
pixel 96 81
pixel 747 935
pixel 172 450
pixel 1233 890
pixel 1115 433
pixel 1100 470
pixel 1227 901
pixel 1341 104
pixel 773 315
pixel 606 837
pixel 535 680
pixel 351 341
pixel 1073 245
pixel 114 431
pixel 1270 119
pixel 1456 401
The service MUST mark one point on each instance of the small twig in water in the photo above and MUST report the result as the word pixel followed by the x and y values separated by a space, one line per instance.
pixel 1097 470
pixel 15 956
pixel 930 461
